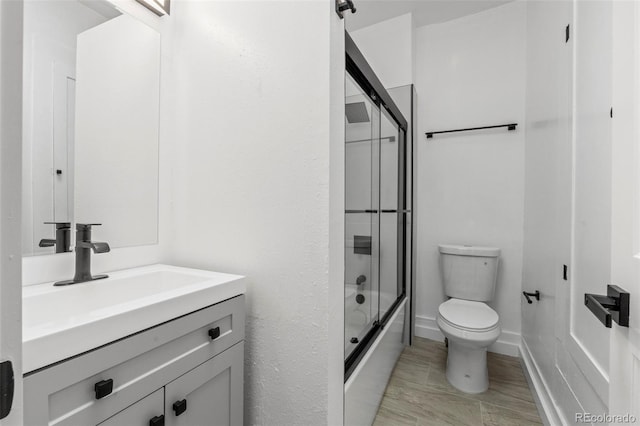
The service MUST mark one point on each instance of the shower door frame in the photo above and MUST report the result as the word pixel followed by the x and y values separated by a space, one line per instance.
pixel 362 73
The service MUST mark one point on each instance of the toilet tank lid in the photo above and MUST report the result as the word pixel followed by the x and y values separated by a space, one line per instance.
pixel 462 250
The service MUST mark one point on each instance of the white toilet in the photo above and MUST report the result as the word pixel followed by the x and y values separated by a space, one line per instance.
pixel 469 279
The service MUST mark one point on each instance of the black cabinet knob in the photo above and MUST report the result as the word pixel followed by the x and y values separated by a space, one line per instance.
pixel 103 388
pixel 157 421
pixel 180 407
pixel 214 333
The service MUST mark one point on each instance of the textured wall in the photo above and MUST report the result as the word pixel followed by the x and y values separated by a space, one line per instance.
pixel 250 95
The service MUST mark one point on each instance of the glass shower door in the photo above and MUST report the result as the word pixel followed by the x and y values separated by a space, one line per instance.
pixel 391 215
pixel 376 230
pixel 362 227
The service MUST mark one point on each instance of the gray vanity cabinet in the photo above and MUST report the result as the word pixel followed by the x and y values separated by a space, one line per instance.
pixel 140 413
pixel 196 358
pixel 210 394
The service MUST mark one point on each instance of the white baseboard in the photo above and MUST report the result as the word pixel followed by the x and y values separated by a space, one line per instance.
pixel 549 413
pixel 426 327
pixel 508 343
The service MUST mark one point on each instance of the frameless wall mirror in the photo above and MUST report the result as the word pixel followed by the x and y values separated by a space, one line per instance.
pixel 91 93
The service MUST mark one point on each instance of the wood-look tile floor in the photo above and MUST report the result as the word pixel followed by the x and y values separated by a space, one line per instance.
pixel 418 392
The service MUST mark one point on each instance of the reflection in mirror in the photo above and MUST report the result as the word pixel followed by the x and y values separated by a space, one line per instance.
pixel 90 118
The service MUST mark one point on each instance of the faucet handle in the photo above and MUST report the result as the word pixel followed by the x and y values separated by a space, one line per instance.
pixel 47 242
pixel 94 245
pixel 86 226
pixel 101 247
pixel 59 225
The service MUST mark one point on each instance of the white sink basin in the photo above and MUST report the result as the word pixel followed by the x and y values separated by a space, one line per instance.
pixel 60 322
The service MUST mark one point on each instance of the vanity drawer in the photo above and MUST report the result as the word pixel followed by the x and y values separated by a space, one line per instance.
pixel 93 386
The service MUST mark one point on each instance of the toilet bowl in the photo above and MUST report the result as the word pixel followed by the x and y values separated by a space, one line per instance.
pixel 469 277
pixel 470 328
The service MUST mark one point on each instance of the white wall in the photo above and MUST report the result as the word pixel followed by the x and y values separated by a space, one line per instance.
pixel 471 72
pixel 389 48
pixel 253 164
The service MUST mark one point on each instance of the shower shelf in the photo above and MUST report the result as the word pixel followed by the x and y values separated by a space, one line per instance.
pixel 510 126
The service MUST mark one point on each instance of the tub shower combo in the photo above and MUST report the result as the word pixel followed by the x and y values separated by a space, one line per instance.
pixel 378 233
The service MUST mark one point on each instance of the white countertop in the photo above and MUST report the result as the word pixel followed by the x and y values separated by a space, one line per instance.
pixel 60 322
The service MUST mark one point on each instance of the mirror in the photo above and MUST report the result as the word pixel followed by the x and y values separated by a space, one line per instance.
pixel 91 96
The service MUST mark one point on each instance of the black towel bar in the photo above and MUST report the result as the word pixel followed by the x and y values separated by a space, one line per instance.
pixel 510 126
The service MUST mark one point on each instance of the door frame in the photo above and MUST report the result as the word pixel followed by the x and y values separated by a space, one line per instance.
pixel 11 42
pixel 624 343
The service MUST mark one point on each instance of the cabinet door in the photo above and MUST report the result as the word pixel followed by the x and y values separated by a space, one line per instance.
pixel 140 413
pixel 210 394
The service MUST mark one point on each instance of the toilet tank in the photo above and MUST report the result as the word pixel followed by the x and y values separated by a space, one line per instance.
pixel 469 272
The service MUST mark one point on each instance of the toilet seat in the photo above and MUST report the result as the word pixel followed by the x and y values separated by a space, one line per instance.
pixel 468 315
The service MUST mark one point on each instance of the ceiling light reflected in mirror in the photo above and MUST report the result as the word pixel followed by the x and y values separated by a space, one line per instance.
pixel 159 7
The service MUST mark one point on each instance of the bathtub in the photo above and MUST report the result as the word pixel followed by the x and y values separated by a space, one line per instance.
pixel 365 388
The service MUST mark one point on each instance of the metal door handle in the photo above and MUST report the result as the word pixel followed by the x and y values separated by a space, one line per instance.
pixel 614 306
pixel 7 386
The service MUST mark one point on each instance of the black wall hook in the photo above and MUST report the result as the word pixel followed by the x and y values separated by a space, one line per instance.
pixel 536 294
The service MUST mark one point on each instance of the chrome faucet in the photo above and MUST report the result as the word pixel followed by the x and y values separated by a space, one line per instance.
pixel 83 248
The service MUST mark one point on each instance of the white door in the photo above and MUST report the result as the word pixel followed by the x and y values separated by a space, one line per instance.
pixel 624 356
pixel 10 202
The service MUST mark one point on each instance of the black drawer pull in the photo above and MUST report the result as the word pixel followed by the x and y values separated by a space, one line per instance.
pixel 214 333
pixel 180 407
pixel 103 388
pixel 157 421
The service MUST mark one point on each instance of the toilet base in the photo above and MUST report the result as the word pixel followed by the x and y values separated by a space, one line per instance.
pixel 467 368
